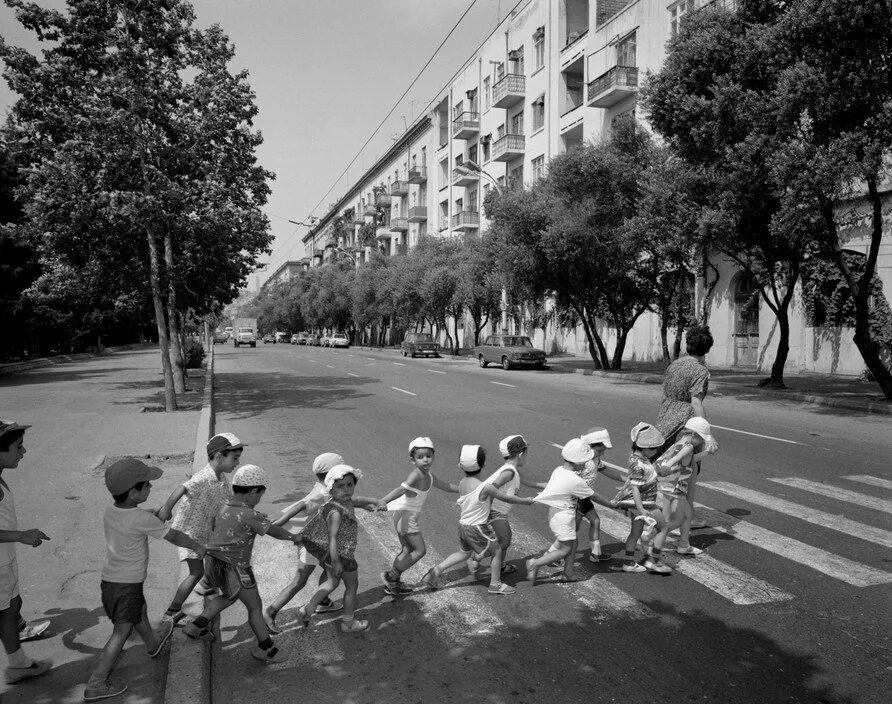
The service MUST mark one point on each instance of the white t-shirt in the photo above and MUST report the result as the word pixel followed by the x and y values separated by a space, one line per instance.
pixel 562 488
pixel 8 521
pixel 127 532
pixel 510 488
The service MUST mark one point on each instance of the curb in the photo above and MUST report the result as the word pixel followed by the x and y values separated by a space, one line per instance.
pixel 37 363
pixel 189 661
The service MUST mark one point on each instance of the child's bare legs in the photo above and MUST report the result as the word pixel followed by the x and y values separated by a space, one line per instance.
pixel 287 594
pixel 9 626
pixel 564 552
pixel 327 587
pixel 351 586
pixel 432 578
pixel 413 549
pixel 250 597
pixel 684 537
pixel 109 655
pixel 196 572
pixel 502 528
pixel 632 542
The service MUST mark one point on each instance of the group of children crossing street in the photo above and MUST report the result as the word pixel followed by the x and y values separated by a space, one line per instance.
pixel 212 519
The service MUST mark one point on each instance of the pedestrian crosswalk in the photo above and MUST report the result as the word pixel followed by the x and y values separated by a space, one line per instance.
pixel 459 615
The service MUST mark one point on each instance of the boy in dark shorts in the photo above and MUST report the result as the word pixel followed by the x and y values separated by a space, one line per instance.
pixel 127 529
pixel 228 560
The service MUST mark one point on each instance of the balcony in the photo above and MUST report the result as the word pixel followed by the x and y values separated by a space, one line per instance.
pixel 382 200
pixel 508 147
pixel 608 89
pixel 359 218
pixel 417 174
pixel 383 232
pixel 466 125
pixel 370 209
pixel 466 220
pixel 399 225
pixel 418 214
pixel 464 178
pixel 509 91
pixel 399 188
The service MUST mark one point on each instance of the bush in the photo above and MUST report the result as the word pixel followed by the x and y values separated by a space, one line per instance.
pixel 193 353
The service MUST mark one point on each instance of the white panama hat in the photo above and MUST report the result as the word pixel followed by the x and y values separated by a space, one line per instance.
pixel 577 451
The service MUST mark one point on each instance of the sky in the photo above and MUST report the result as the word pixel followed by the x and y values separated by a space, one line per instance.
pixel 325 73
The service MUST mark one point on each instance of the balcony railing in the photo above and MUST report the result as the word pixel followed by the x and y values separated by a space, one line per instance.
pixel 418 214
pixel 611 87
pixel 399 188
pixel 382 200
pixel 383 232
pixel 399 224
pixel 370 209
pixel 508 147
pixel 509 91
pixel 417 174
pixel 466 125
pixel 359 218
pixel 462 177
pixel 466 220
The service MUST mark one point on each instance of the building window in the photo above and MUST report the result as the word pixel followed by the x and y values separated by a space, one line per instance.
pixel 539 47
pixel 515 177
pixel 500 131
pixel 539 112
pixel 499 72
pixel 625 51
pixel 459 108
pixel 676 12
pixel 423 157
pixel 484 147
pixel 444 173
pixel 515 58
pixel 472 153
pixel 472 100
pixel 517 123
pixel 472 201
pixel 486 93
pixel 538 165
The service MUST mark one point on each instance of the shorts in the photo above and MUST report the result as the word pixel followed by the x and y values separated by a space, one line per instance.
pixel 229 579
pixel 562 522
pixel 586 505
pixel 407 522
pixel 123 603
pixel 321 554
pixel 306 557
pixel 9 584
pixel 480 539
pixel 498 516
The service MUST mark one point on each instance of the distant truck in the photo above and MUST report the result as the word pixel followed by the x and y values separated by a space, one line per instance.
pixel 245 332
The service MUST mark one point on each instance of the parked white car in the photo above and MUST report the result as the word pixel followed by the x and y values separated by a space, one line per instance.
pixel 339 340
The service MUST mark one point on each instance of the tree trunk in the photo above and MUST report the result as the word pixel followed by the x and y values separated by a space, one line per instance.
pixel 776 380
pixel 170 399
pixel 99 347
pixel 664 338
pixel 621 337
pixel 455 340
pixel 596 348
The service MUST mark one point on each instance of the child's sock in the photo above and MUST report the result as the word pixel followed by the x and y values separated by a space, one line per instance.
pixel 174 607
pixel 655 554
pixel 265 644
pixel 201 622
pixel 596 547
pixel 19 659
pixel 392 576
pixel 630 556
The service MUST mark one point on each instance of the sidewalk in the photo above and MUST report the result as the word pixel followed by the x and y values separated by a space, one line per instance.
pixel 85 413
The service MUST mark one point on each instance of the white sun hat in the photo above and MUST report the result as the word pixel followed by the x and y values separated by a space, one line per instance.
pixel 595 436
pixel 577 451
pixel 249 475
pixel 701 427
pixel 339 472
pixel 472 458
pixel 324 462
pixel 646 436
pixel 420 442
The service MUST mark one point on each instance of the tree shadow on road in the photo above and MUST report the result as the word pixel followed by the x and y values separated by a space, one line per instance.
pixel 42 375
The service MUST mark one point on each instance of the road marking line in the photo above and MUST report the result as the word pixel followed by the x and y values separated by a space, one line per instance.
pixel 835 566
pixel 399 364
pixel 727 581
pixel 329 366
pixel 350 354
pixel 757 435
pixel 402 391
pixel 872 481
pixel 457 614
pixel 436 371
pixel 811 515
pixel 352 374
pixel 371 358
pixel 834 492
pixel 500 383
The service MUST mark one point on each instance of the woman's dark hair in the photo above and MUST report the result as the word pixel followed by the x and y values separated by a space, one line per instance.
pixel 247 489
pixel 699 340
pixel 7 439
pixel 122 497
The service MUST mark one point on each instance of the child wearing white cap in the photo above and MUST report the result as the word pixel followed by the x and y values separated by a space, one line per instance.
pixel 405 504
pixel 198 500
pixel 228 560
pixel 476 537
pixel 307 562
pixel 564 487
pixel 598 439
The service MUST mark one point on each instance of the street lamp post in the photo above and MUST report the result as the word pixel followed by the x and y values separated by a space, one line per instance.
pixel 313 220
pixel 469 167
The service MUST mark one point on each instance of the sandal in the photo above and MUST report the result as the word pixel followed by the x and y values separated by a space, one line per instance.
pixel 430 580
pixel 502 590
pixel 531 572
pixel 354 626
pixel 164 636
pixel 508 568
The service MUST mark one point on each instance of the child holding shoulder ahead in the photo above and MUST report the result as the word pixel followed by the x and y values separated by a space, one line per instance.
pixel 127 529
pixel 331 537
pixel 307 562
pixel 477 539
pixel 560 494
pixel 228 561
pixel 599 440
pixel 405 504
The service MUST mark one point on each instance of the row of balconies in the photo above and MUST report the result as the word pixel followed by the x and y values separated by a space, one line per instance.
pixel 464 220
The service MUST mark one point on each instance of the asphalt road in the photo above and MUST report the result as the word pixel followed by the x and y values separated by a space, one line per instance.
pixel 789 604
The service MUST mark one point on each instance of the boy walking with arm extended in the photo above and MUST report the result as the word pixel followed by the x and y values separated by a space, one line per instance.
pixel 127 530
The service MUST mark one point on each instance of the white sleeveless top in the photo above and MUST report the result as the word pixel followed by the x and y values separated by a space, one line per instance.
pixel 410 503
pixel 474 511
pixel 8 521
pixel 511 488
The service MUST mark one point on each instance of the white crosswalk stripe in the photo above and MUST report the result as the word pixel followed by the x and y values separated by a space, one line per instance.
pixel 872 481
pixel 805 513
pixel 835 492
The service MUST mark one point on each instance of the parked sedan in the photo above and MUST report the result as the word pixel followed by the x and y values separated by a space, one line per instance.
pixel 269 339
pixel 418 343
pixel 509 351
pixel 220 337
pixel 339 339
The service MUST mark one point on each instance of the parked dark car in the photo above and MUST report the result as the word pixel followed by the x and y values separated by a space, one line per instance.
pixel 509 351
pixel 221 337
pixel 415 344
pixel 269 339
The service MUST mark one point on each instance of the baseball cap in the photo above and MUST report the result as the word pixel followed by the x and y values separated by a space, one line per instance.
pixel 647 436
pixel 123 475
pixel 512 445
pixel 249 475
pixel 324 462
pixel 222 442
pixel 339 471
pixel 472 458
pixel 595 436
pixel 420 442
pixel 577 451
pixel 7 426
pixel 700 426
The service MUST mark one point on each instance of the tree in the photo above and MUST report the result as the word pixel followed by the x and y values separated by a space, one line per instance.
pixel 134 167
pixel 479 285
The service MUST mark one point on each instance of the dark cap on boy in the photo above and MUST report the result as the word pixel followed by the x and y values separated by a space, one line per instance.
pixel 7 426
pixel 125 474
pixel 223 442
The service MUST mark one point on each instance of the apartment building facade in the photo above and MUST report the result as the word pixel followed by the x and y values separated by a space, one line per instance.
pixel 552 76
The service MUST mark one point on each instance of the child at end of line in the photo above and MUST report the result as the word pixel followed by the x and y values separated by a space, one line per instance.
pixel 127 530
pixel 598 439
pixel 405 504
pixel 476 536
pixel 307 562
